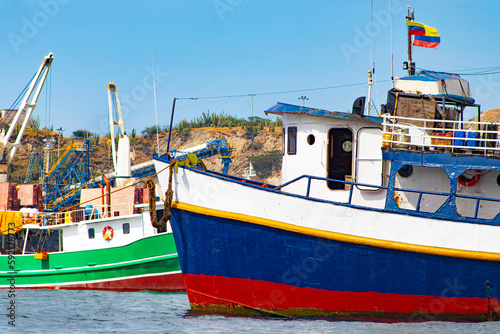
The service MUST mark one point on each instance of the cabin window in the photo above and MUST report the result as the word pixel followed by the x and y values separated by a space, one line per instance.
pixel 91 233
pixel 283 142
pixel 126 228
pixel 311 139
pixel 40 240
pixel 292 140
pixel 339 157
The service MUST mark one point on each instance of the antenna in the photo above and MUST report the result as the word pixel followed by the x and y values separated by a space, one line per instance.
pixel 156 111
pixel 371 33
pixel 371 73
pixel 252 95
pixel 392 53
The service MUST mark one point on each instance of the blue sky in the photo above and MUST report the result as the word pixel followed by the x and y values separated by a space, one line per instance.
pixel 206 48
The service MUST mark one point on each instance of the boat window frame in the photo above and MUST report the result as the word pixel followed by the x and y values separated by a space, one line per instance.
pixel 126 228
pixel 283 141
pixel 291 147
pixel 91 233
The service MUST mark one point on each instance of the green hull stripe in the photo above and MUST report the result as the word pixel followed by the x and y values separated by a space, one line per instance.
pixel 147 256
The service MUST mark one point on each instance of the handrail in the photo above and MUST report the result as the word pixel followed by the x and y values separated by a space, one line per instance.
pixel 311 177
pixel 410 133
pixel 420 192
pixel 97 212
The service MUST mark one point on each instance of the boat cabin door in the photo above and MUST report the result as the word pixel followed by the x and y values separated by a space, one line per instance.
pixel 339 156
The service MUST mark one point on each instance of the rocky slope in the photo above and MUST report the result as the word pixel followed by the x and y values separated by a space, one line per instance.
pixel 247 144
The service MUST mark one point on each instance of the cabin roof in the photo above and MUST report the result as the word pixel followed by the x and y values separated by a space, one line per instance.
pixel 426 75
pixel 439 84
pixel 285 108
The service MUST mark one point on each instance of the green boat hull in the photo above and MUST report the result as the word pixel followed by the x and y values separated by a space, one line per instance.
pixel 150 263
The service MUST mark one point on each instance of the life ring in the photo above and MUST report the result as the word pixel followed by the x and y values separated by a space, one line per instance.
pixel 468 182
pixel 108 233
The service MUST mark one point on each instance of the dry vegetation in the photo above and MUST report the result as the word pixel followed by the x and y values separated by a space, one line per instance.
pixel 248 144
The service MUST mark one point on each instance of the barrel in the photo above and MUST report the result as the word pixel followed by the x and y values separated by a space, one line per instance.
pixel 472 135
pixel 386 138
pixel 459 142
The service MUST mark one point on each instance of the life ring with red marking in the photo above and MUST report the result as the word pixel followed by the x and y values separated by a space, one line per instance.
pixel 468 182
pixel 107 233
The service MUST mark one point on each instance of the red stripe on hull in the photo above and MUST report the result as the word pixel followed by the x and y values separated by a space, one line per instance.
pixel 211 292
pixel 161 283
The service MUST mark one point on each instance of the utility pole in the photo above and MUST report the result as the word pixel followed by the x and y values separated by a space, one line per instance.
pixel 303 98
pixel 252 95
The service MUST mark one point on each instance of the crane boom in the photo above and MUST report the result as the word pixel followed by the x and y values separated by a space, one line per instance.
pixel 28 104
pixel 121 157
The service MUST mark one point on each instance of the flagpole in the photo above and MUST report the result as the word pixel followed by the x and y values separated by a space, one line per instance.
pixel 411 65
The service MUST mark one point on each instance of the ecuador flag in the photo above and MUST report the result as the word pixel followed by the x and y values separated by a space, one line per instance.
pixel 415 28
pixel 425 36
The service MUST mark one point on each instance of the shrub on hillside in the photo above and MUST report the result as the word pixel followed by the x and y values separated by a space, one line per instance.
pixel 266 163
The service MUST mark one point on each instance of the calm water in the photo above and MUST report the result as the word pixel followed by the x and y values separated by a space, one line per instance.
pixel 58 311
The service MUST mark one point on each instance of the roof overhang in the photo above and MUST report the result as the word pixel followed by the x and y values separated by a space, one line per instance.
pixel 284 108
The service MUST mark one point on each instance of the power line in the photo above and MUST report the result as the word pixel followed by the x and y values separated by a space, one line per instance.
pixel 275 93
pixel 477 71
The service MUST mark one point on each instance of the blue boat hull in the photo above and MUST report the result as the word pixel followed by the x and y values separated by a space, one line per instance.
pixel 241 267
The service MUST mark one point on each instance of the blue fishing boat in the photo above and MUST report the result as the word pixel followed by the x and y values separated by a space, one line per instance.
pixel 393 216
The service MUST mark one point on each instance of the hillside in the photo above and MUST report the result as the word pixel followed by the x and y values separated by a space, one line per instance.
pixel 490 116
pixel 262 147
pixel 253 146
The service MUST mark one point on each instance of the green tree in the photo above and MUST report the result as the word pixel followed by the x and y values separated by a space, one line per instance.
pixel 266 163
pixel 80 134
pixel 151 130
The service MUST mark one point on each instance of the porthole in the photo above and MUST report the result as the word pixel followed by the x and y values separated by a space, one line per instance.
pixel 498 180
pixel 347 146
pixel 91 233
pixel 311 139
pixel 405 171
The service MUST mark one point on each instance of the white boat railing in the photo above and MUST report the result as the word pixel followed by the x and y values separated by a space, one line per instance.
pixel 436 134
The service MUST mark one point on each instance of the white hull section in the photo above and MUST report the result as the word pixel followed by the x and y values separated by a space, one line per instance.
pixel 211 192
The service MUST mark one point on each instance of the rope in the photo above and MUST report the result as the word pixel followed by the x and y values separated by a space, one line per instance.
pixel 167 214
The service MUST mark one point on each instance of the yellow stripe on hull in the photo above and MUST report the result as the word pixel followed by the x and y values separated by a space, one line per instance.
pixel 400 246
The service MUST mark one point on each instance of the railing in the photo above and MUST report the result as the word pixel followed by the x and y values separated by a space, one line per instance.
pixel 352 184
pixel 310 178
pixel 436 134
pixel 89 213
pixel 421 193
